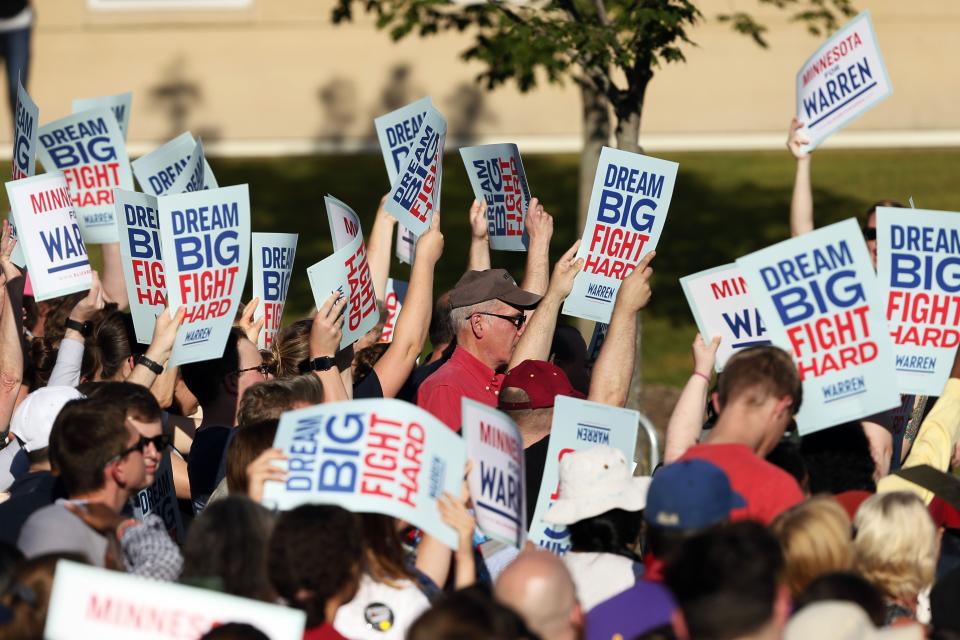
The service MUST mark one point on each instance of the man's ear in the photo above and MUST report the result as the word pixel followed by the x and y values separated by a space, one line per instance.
pixel 229 383
pixel 715 401
pixel 476 325
pixel 576 616
pixel 783 407
pixel 679 624
pixel 114 472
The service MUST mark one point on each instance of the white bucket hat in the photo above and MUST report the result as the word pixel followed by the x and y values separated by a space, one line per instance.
pixel 836 620
pixel 594 482
pixel 32 422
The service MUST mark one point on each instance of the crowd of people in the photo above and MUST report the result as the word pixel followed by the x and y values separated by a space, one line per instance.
pixel 747 530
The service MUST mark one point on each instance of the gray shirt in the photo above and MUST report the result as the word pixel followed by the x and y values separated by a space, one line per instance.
pixel 53 529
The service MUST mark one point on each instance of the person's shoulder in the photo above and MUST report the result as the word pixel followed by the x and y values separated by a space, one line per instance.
pixel 55 512
pixel 644 594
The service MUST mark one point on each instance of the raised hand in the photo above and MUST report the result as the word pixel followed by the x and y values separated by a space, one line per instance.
pixel 796 139
pixel 478 220
pixel 246 323
pixel 705 355
pixel 327 328
pixel 635 289
pixel 539 223
pixel 262 470
pixel 564 272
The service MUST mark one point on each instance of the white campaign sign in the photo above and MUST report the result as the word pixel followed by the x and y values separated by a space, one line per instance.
pixel 273 256
pixel 139 230
pixel 157 171
pixel 818 295
pixel 722 307
pixel 347 273
pixel 628 208
pixel 495 447
pixel 89 602
pixel 119 104
pixel 47 229
pixel 88 148
pixel 344 222
pixel 577 425
pixel 918 253
pixel 205 239
pixel 844 79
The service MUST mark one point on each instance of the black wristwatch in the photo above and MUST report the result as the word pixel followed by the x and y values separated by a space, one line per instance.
pixel 156 367
pixel 83 328
pixel 323 363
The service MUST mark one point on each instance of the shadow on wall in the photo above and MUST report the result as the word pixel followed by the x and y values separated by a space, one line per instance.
pixel 464 108
pixel 338 107
pixel 176 96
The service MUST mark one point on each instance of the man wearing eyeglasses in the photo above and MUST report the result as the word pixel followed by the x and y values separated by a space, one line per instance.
pixel 218 385
pixel 99 457
pixel 487 313
pixel 489 316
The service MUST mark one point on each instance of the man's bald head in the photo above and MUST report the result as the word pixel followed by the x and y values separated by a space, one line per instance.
pixel 538 586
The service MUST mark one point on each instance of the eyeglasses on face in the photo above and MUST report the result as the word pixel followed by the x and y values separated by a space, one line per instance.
pixel 516 320
pixel 263 369
pixel 869 233
pixel 159 443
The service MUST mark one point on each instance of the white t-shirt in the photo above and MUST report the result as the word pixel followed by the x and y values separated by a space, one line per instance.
pixel 599 576
pixel 379 611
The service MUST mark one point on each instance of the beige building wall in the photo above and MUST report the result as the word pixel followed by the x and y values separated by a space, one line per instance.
pixel 276 77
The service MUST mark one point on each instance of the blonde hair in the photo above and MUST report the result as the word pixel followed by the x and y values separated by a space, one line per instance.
pixel 816 538
pixel 896 544
pixel 291 348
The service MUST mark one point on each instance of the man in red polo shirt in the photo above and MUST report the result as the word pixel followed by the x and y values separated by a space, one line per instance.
pixel 487 310
pixel 487 313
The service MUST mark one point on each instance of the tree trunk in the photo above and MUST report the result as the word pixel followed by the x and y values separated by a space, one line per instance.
pixel 628 131
pixel 596 134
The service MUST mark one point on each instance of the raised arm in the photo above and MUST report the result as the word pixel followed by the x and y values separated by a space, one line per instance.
pixel 539 225
pixel 161 347
pixel 66 370
pixel 325 334
pixel 537 337
pixel 13 274
pixel 11 357
pixel 398 361
pixel 801 205
pixel 479 257
pixel 379 244
pixel 114 287
pixel 686 421
pixel 613 371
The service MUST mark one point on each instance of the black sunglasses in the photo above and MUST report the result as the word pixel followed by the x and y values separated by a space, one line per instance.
pixel 516 321
pixel 870 233
pixel 264 369
pixel 159 443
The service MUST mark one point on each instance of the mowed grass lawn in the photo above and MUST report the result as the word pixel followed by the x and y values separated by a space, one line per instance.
pixel 725 204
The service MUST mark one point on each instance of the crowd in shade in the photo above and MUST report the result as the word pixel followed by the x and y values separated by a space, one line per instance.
pixel 745 530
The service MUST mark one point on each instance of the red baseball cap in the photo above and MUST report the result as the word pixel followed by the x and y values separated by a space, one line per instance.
pixel 541 381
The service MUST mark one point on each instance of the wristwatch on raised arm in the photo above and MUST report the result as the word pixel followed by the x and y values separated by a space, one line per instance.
pixel 83 328
pixel 322 363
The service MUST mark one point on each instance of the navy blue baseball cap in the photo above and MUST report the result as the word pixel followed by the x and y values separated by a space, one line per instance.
pixel 690 494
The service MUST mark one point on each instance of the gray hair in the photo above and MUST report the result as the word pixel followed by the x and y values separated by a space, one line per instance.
pixel 460 316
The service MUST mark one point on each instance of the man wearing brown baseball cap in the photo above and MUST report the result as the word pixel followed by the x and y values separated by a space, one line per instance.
pixel 488 316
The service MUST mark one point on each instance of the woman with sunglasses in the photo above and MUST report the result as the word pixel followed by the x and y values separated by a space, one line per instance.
pixel 801 222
